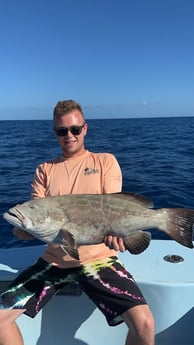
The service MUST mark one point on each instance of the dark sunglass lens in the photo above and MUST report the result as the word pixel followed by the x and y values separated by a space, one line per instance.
pixel 76 130
pixel 61 131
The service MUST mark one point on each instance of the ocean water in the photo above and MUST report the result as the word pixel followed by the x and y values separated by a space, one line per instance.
pixel 156 156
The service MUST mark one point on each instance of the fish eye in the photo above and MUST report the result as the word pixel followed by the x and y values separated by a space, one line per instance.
pixel 33 206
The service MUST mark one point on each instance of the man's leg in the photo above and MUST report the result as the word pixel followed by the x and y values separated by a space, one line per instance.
pixel 32 289
pixel 9 331
pixel 140 322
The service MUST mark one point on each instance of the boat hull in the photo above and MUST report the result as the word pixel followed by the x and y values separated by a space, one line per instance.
pixel 71 318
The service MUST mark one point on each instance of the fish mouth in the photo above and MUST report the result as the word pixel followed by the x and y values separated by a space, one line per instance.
pixel 13 217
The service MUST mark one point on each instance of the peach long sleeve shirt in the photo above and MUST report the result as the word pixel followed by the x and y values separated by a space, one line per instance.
pixel 89 173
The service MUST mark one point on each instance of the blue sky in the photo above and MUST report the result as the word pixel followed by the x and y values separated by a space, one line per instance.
pixel 117 58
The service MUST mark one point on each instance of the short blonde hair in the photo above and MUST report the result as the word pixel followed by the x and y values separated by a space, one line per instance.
pixel 66 107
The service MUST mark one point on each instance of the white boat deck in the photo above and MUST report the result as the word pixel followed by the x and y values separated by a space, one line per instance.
pixel 74 320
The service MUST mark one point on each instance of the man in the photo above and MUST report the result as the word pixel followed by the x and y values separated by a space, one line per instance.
pixel 77 171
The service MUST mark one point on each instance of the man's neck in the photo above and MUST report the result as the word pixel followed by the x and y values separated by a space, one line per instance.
pixel 74 155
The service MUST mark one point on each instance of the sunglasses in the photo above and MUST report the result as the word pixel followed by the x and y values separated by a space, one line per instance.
pixel 62 131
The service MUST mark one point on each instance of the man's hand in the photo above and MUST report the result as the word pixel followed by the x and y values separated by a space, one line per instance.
pixel 22 235
pixel 114 242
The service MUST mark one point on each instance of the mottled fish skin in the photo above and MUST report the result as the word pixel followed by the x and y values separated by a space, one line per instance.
pixel 74 220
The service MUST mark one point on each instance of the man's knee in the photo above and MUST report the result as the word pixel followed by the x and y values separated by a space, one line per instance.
pixel 146 326
pixel 7 316
pixel 140 319
pixel 10 335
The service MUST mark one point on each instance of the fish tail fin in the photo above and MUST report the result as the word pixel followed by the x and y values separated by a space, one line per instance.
pixel 179 225
pixel 137 242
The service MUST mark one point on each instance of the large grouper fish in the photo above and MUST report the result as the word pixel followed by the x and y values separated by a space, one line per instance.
pixel 83 219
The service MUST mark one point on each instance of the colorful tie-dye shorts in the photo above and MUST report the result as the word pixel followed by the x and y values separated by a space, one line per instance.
pixel 106 282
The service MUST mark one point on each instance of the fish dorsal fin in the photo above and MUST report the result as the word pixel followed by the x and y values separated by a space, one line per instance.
pixel 137 242
pixel 135 198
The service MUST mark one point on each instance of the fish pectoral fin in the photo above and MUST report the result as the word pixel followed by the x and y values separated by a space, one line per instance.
pixel 68 244
pixel 70 251
pixel 66 237
pixel 137 242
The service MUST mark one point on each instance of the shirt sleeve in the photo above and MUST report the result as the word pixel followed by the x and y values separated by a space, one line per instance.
pixel 112 175
pixel 39 183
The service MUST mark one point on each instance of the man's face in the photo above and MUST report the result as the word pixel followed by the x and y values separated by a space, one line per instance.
pixel 71 144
